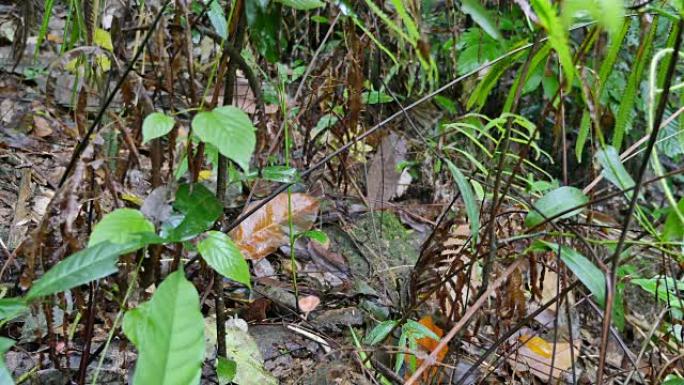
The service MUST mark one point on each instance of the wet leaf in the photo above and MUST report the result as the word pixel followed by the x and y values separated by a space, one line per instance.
pixel 554 203
pixel 219 251
pixel 169 335
pixel 267 229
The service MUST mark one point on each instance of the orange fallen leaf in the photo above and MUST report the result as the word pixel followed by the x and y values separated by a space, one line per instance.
pixel 536 355
pixel 429 344
pixel 267 229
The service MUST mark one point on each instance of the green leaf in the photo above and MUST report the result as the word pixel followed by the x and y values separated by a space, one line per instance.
pixel 303 5
pixel 218 19
pixel 673 230
pixel 230 130
pixel 558 36
pixel 134 323
pixel 663 288
pixel 629 95
pixel 281 174
pixel 416 330
pixel 87 265
pixel 169 335
pixel 591 276
pixel 673 380
pixel 316 235
pixel 375 97
pixel 156 125
pixel 11 308
pixel 221 253
pixel 613 170
pixel 554 203
pixel 380 332
pixel 201 209
pixel 241 348
pixel 264 26
pixel 120 226
pixel 225 370
pixel 5 375
pixel 481 17
pixel 608 13
pixel 472 208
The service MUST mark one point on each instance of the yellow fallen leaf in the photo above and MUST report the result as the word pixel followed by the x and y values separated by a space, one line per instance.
pixel 103 39
pixel 536 355
pixel 132 198
pixel 204 175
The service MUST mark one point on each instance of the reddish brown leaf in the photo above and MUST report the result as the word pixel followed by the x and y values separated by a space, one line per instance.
pixel 267 229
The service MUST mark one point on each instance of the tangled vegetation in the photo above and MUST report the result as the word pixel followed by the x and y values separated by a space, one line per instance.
pixel 338 191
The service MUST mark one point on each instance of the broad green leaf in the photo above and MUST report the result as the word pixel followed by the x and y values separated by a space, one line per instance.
pixel 672 379
pixel 5 375
pixel 241 348
pixel 11 307
pixel 87 265
pixel 156 125
pixel 120 226
pixel 380 332
pixel 555 202
pixel 201 209
pixel 218 18
pixel 673 230
pixel 134 323
pixel 558 36
pixel 225 370
pixel 591 276
pixel 303 5
pixel 613 170
pixel 219 251
pixel 481 17
pixel 663 288
pixel 472 208
pixel 608 13
pixel 230 130
pixel 316 235
pixel 169 335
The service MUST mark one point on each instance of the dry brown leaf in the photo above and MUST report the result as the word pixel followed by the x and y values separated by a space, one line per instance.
pixel 266 230
pixel 536 355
